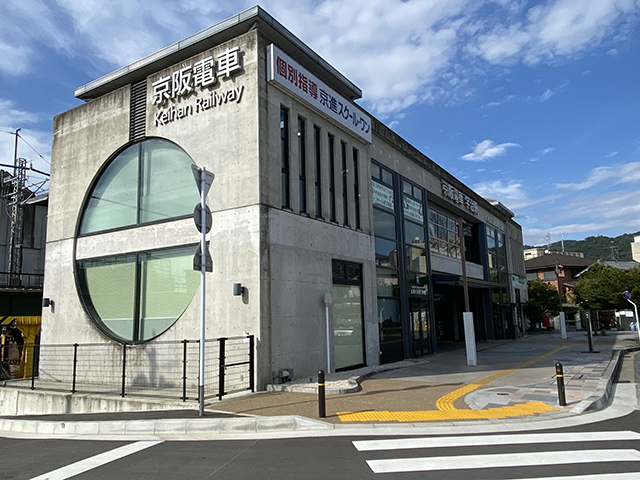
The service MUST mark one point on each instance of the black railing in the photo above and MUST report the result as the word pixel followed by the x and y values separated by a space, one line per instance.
pixel 21 280
pixel 158 369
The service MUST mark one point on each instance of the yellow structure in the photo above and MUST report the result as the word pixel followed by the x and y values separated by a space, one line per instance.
pixel 29 327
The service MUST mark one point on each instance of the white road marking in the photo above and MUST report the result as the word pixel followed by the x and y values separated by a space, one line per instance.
pixel 473 441
pixel 600 476
pixel 96 461
pixel 463 462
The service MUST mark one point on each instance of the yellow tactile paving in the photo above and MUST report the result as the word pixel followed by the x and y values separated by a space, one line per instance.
pixel 529 408
pixel 446 402
pixel 447 411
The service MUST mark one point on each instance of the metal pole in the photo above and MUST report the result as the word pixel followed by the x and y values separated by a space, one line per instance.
pixel 124 367
pixel 75 364
pixel 203 270
pixel 184 370
pixel 326 308
pixel 589 332
pixel 322 411
pixel 15 156
pixel 221 366
pixel 635 308
pixel 562 401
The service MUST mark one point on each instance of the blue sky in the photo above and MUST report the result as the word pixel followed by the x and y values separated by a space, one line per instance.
pixel 533 103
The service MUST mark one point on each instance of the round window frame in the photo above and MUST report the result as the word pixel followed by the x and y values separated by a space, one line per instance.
pixel 93 316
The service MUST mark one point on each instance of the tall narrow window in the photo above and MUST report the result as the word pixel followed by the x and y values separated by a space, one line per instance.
pixel 345 198
pixel 316 149
pixel 284 149
pixel 356 187
pixel 302 157
pixel 332 180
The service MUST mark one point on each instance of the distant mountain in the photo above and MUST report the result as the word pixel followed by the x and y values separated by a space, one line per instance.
pixel 598 248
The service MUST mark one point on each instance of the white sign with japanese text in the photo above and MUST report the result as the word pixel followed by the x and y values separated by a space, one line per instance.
pixel 413 210
pixel 382 195
pixel 288 73
pixel 201 75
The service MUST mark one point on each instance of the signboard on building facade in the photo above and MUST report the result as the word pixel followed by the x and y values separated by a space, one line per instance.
pixel 199 77
pixel 382 195
pixel 456 196
pixel 413 209
pixel 285 71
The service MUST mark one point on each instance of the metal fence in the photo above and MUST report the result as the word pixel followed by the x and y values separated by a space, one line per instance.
pixel 158 369
pixel 21 280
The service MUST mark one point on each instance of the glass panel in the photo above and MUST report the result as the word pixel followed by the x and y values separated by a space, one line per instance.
pixel 442 220
pixel 348 345
pixel 407 188
pixel 168 189
pixel 417 193
pixel 413 233
pixel 108 287
pixel 386 253
pixel 168 285
pixel 418 285
pixel 433 217
pixel 375 172
pixel 453 225
pixel 113 202
pixel 390 330
pixel 387 177
pixel 384 224
pixel 387 282
pixel 416 259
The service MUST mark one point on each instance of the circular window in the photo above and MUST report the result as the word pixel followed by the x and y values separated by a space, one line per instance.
pixel 136 294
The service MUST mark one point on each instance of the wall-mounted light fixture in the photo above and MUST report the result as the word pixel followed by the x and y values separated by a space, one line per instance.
pixel 238 289
pixel 48 302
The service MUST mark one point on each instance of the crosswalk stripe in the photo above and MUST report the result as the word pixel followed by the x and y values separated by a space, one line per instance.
pixel 465 462
pixel 96 461
pixel 472 441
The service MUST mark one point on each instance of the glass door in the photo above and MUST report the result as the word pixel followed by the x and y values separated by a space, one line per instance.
pixel 420 326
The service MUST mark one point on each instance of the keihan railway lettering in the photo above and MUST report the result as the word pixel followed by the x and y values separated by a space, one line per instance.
pixel 200 104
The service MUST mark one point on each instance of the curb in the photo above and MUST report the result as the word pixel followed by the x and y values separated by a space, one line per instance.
pixel 600 397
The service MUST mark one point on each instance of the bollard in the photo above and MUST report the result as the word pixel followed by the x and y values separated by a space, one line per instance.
pixel 322 412
pixel 562 401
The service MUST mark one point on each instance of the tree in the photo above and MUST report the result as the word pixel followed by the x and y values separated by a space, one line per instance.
pixel 601 287
pixel 543 302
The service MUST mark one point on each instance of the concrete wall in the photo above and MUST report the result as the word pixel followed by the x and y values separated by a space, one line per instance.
pixel 222 139
pixel 297 263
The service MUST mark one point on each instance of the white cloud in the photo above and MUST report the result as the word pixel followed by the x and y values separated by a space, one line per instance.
pixel 486 150
pixel 400 53
pixel 611 154
pixel 613 175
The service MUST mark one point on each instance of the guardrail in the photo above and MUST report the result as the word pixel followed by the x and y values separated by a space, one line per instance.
pixel 167 369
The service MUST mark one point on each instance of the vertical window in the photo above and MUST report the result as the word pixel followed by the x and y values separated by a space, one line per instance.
pixel 316 149
pixel 348 325
pixel 345 198
pixel 356 187
pixel 302 157
pixel 284 150
pixel 332 180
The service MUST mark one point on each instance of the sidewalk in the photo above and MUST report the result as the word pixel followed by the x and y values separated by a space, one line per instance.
pixel 509 373
pixel 514 381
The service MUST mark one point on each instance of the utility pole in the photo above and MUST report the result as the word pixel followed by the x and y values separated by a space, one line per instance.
pixel 14 201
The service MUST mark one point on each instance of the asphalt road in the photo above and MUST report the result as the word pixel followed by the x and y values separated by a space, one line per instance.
pixel 538 454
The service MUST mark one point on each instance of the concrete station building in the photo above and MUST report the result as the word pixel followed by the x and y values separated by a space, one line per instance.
pixel 312 196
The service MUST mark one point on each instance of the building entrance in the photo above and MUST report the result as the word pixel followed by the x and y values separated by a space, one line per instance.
pixel 420 327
